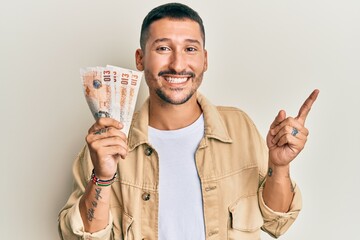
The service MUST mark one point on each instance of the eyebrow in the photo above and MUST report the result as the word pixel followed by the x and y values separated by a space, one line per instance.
pixel 189 40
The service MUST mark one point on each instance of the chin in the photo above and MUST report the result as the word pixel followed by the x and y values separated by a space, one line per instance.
pixel 175 100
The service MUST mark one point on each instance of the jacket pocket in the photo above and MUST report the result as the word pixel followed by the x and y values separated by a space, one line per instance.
pixel 245 219
pixel 127 222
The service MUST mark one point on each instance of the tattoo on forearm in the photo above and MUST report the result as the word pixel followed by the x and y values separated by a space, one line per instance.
pixel 91 211
pixel 94 204
pixel 90 214
pixel 97 193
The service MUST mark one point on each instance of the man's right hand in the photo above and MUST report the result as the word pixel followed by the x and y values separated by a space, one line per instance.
pixel 107 143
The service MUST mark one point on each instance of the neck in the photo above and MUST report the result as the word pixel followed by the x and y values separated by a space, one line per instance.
pixel 166 116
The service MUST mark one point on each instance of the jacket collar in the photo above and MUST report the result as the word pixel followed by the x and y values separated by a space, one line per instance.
pixel 214 125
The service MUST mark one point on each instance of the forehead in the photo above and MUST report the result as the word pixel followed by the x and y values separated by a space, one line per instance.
pixel 174 30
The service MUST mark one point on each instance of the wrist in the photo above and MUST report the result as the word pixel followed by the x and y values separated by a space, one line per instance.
pixel 279 176
pixel 104 172
pixel 278 171
pixel 102 182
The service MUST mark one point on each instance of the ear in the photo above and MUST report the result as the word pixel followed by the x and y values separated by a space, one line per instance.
pixel 139 59
pixel 205 61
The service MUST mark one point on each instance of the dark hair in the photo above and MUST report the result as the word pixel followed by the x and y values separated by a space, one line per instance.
pixel 172 11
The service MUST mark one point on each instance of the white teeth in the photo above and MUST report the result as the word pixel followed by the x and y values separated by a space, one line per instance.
pixel 175 80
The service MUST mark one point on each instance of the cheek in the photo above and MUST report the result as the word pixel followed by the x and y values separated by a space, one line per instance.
pixel 197 61
pixel 198 65
pixel 155 63
pixel 149 76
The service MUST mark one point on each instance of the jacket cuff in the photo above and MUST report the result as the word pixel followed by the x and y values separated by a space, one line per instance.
pixel 77 225
pixel 277 223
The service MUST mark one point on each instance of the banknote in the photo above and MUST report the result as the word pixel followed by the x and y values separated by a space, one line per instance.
pixel 111 91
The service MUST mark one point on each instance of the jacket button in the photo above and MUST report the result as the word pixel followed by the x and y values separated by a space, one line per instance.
pixel 146 196
pixel 210 188
pixel 148 151
pixel 213 233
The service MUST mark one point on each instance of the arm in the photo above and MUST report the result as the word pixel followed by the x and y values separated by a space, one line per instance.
pixel 278 190
pixel 94 207
pixel 285 140
pixel 106 145
pixel 86 214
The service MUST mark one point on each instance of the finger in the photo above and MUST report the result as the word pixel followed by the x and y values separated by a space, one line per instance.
pixel 99 132
pixel 278 119
pixel 292 142
pixel 287 130
pixel 106 142
pixel 113 151
pixel 105 123
pixel 306 107
pixel 291 123
pixel 105 133
pixel 100 145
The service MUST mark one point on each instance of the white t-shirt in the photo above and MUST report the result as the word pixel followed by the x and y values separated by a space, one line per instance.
pixel 181 215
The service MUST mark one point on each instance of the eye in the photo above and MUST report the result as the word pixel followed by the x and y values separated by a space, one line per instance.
pixel 163 49
pixel 191 49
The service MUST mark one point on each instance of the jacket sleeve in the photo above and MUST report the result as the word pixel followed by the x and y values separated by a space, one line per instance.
pixel 277 223
pixel 69 222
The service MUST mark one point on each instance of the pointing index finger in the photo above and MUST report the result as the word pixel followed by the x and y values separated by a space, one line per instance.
pixel 306 107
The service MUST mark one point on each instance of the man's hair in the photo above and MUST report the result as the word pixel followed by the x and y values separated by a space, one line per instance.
pixel 175 11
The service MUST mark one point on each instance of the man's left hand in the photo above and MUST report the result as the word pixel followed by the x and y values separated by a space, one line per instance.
pixel 287 135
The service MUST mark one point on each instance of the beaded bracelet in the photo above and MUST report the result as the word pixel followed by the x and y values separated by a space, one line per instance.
pixel 102 183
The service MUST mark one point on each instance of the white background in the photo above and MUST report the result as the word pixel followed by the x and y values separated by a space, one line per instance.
pixel 263 56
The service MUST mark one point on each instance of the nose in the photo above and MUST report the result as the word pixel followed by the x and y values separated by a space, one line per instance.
pixel 177 62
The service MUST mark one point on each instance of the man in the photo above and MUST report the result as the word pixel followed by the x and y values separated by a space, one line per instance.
pixel 188 169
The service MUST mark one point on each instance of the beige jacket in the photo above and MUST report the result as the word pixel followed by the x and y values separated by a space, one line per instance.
pixel 231 161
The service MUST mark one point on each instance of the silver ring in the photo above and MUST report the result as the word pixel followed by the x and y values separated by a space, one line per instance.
pixel 294 132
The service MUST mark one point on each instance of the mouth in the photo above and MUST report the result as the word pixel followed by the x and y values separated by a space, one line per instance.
pixel 176 80
pixel 174 77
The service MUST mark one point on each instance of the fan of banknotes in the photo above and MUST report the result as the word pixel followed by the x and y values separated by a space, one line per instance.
pixel 111 92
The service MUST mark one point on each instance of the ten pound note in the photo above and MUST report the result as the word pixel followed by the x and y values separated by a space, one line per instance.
pixel 111 92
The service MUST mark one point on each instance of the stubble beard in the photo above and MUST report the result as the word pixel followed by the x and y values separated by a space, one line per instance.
pixel 161 94
pixel 168 99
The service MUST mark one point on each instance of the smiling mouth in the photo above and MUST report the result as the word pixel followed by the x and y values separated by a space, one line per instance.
pixel 176 79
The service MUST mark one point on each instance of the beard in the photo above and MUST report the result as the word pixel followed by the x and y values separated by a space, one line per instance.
pixel 186 93
pixel 161 94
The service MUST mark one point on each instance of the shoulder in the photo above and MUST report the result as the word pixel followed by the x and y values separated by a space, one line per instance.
pixel 225 110
pixel 239 125
pixel 232 115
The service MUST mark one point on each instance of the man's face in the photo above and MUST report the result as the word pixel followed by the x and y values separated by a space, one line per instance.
pixel 174 60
